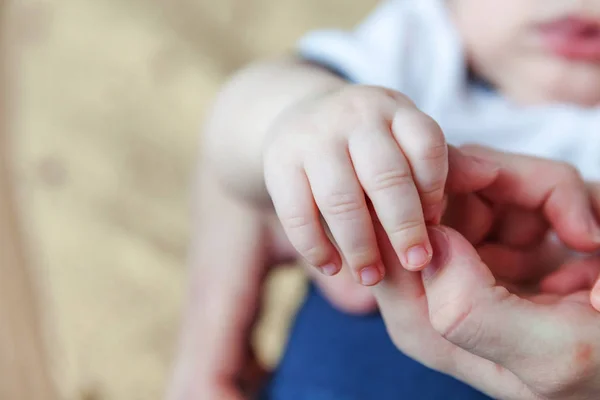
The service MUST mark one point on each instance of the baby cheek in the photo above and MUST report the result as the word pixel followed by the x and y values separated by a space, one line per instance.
pixel 487 27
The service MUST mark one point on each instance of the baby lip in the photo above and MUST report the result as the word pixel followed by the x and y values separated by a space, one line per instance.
pixel 573 38
pixel 573 26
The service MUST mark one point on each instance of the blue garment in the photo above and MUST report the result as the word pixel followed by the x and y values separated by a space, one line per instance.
pixel 334 356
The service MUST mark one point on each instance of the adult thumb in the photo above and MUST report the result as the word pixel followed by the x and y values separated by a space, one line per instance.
pixel 468 308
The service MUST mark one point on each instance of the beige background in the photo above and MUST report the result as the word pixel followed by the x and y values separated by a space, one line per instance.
pixel 111 97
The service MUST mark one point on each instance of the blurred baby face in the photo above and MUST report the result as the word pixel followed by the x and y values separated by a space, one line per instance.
pixel 534 51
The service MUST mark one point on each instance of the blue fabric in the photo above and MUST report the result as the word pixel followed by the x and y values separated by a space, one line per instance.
pixel 333 356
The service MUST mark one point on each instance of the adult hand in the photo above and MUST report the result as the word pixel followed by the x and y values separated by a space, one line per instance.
pixel 457 318
pixel 507 215
pixel 515 228
pixel 233 247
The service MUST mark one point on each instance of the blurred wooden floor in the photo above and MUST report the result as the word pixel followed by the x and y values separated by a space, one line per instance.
pixel 112 93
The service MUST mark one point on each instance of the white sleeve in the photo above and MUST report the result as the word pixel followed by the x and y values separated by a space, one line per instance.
pixel 405 45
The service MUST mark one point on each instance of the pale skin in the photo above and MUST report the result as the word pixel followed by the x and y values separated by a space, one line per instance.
pixel 305 147
pixel 501 337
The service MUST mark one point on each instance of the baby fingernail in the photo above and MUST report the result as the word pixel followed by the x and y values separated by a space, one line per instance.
pixel 329 269
pixel 417 257
pixel 370 276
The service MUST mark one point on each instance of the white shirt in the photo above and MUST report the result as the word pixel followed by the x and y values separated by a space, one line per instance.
pixel 411 46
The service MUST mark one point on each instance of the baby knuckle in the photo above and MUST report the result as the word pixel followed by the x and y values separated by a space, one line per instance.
pixel 360 106
pixel 365 256
pixel 434 149
pixel 315 254
pixel 413 121
pixel 431 127
pixel 384 96
pixel 367 95
pixel 432 191
pixel 279 151
pixel 388 179
pixel 568 172
pixel 408 229
pixel 315 251
pixel 295 221
pixel 342 205
pixel 359 101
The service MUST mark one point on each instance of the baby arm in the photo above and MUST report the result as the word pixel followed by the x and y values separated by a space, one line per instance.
pixel 328 156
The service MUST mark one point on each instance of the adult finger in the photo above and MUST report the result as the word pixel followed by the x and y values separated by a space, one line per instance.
pixel 514 265
pixel 595 296
pixel 594 189
pixel 294 204
pixel 468 173
pixel 520 228
pixel 469 215
pixel 341 199
pixel 576 275
pixel 469 309
pixel 404 307
pixel 553 187
pixel 388 181
pixel 229 240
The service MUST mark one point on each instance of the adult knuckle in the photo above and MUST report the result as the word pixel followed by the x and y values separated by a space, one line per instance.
pixel 417 347
pixel 553 384
pixel 454 320
pixel 594 188
pixel 406 338
pixel 578 367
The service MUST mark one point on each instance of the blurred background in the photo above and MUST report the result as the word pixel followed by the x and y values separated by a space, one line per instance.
pixel 110 101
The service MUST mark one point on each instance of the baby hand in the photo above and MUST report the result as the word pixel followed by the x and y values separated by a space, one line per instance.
pixel 347 157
